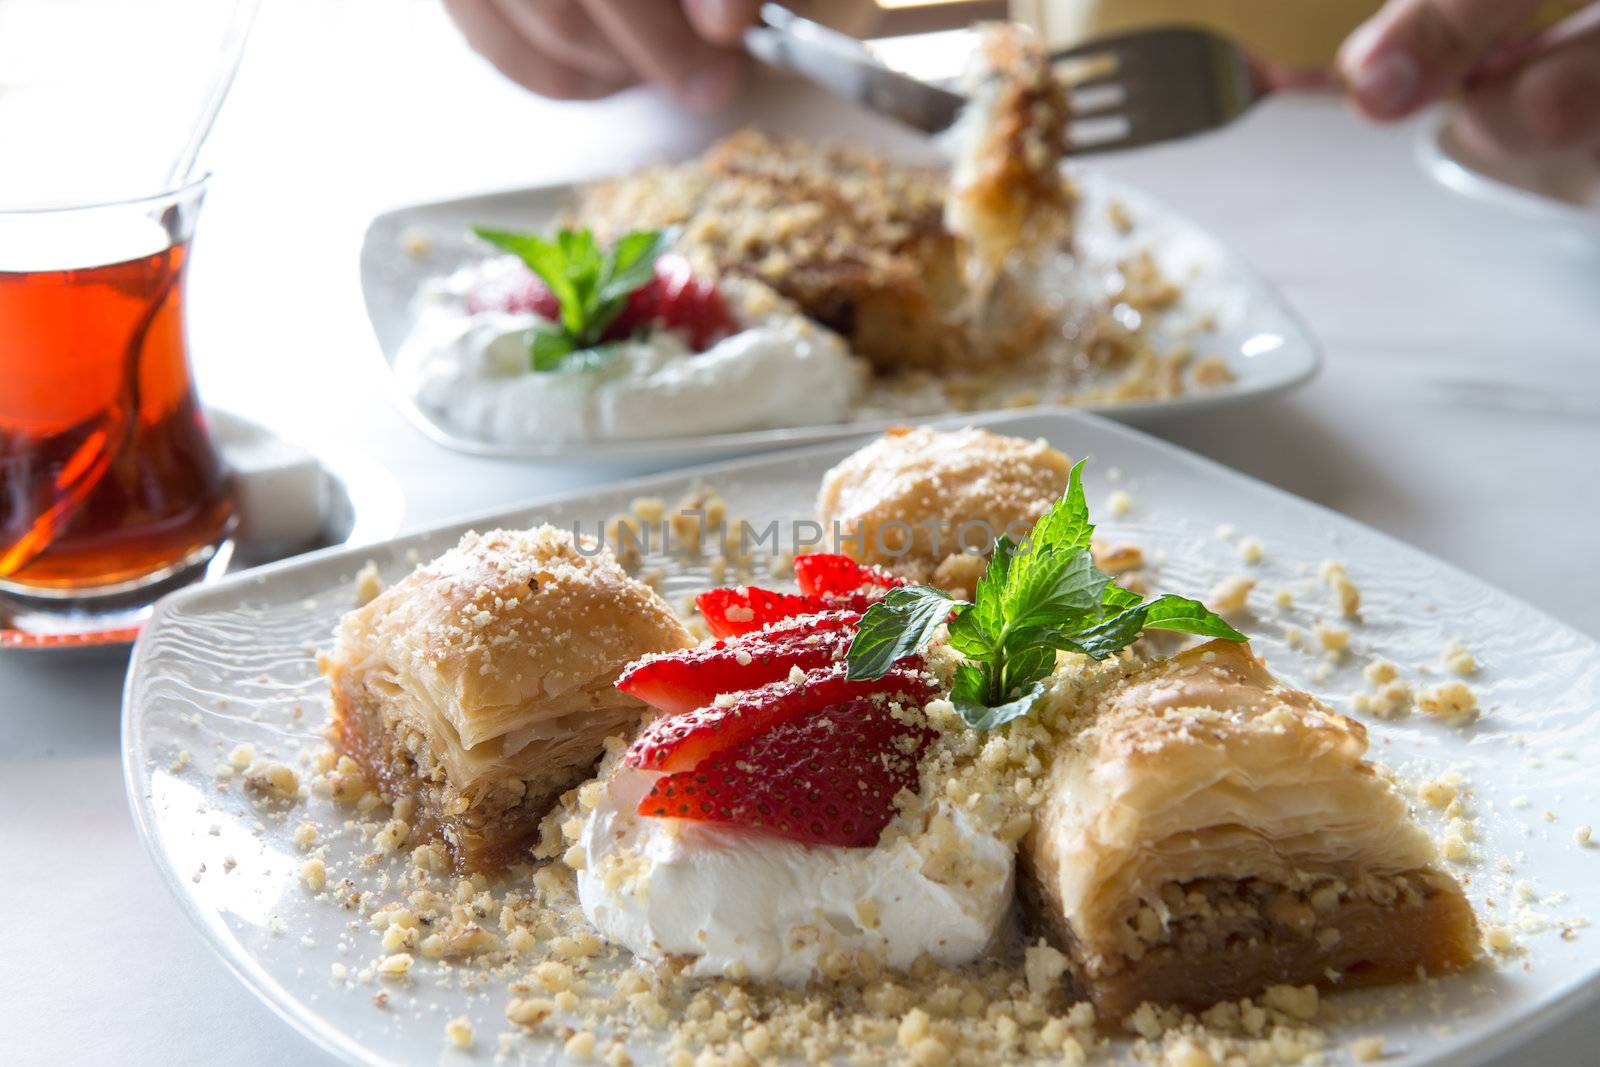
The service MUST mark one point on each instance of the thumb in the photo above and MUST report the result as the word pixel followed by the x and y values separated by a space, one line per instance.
pixel 1414 51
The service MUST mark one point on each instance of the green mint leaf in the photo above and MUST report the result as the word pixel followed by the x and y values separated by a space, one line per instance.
pixel 971 684
pixel 584 263
pixel 601 315
pixel 978 632
pixel 990 590
pixel 632 262
pixel 1055 588
pixel 970 637
pixel 899 625
pixel 981 716
pixel 547 259
pixel 594 357
pixel 1117 598
pixel 1026 663
pixel 1056 551
pixel 1170 612
pixel 1111 635
pixel 1066 525
pixel 1037 599
pixel 591 287
pixel 548 348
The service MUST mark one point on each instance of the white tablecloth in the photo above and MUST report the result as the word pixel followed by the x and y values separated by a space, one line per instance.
pixel 1459 410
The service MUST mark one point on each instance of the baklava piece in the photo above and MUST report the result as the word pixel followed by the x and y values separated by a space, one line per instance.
pixel 888 254
pixel 856 240
pixel 1009 199
pixel 481 685
pixel 913 499
pixel 1209 833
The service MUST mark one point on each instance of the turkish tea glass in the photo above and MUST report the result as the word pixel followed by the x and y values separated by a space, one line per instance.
pixel 109 481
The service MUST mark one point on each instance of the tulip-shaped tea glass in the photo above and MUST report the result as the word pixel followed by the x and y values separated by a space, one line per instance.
pixel 109 482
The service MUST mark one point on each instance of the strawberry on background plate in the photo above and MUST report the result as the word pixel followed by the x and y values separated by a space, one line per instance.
pixel 673 298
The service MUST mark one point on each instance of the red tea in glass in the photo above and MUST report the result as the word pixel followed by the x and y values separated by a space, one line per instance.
pixel 108 478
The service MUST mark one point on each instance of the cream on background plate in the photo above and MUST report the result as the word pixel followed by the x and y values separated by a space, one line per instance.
pixel 234 663
pixel 1265 344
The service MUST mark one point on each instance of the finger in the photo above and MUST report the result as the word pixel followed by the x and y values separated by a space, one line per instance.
pixel 721 21
pixel 655 36
pixel 1551 102
pixel 497 40
pixel 1414 51
pixel 563 28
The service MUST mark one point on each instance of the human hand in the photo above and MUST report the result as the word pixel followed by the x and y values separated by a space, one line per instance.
pixel 584 49
pixel 1525 94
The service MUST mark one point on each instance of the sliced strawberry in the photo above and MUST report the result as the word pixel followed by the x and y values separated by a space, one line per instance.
pixel 745 609
pixel 680 742
pixel 748 608
pixel 690 305
pixel 828 777
pixel 677 682
pixel 825 574
pixel 522 292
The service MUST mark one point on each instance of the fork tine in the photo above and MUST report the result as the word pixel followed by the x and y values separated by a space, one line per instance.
pixel 1155 85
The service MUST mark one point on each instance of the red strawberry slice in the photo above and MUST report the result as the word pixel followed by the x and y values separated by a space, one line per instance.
pixel 676 682
pixel 746 609
pixel 678 300
pixel 828 574
pixel 521 293
pixel 680 742
pixel 825 778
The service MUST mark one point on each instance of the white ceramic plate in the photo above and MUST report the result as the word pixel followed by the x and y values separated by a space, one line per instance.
pixel 230 663
pixel 1266 345
pixel 1559 195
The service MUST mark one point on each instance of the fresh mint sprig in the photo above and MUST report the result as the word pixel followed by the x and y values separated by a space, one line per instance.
pixel 591 287
pixel 1036 598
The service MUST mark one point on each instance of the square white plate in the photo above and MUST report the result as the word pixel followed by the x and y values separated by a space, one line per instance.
pixel 1264 342
pixel 230 663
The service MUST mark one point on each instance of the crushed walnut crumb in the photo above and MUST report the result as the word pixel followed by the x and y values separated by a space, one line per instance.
pixel 1452 702
pixel 1231 595
pixel 368 584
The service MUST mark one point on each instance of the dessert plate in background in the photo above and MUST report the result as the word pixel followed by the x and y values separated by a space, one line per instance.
pixel 1264 342
pixel 233 663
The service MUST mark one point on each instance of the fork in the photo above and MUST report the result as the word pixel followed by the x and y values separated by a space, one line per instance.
pixel 1129 90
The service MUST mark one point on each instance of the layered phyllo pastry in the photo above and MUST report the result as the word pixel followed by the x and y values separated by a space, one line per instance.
pixel 1209 832
pixel 915 498
pixel 481 686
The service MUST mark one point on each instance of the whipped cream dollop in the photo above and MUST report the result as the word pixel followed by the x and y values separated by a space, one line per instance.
pixel 470 372
pixel 750 905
